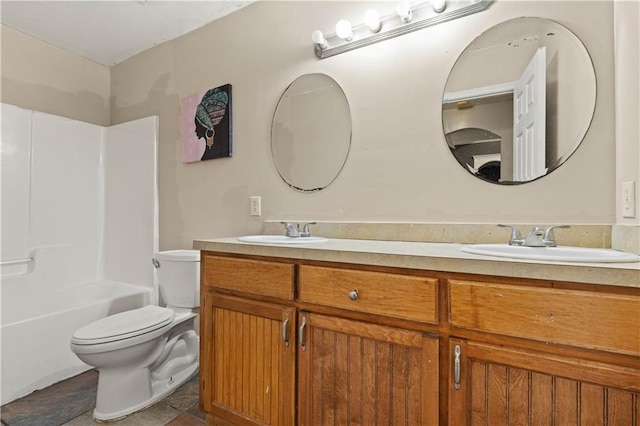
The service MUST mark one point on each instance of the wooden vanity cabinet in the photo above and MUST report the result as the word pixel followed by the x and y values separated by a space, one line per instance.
pixel 366 372
pixel 287 342
pixel 514 383
pixel 353 372
pixel 258 360
pixel 503 385
pixel 247 349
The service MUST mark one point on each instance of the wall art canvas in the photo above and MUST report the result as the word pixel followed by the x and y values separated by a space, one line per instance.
pixel 206 125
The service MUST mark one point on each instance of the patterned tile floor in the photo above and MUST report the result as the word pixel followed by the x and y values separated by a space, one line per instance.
pixel 71 403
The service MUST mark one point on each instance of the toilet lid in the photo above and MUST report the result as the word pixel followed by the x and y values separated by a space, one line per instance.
pixel 123 325
pixel 179 255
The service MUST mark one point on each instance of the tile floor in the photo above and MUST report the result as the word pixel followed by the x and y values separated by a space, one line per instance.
pixel 71 403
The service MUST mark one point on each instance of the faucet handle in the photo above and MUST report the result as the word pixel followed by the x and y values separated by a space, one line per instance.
pixel 515 234
pixel 549 238
pixel 305 232
pixel 305 227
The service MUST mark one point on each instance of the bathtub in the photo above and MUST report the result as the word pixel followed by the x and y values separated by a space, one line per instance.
pixel 35 337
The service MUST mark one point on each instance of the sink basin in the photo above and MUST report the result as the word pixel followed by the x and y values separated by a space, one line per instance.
pixel 280 239
pixel 558 254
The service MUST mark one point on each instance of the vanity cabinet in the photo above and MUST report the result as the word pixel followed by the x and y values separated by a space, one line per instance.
pixel 514 383
pixel 366 372
pixel 298 342
pixel 353 372
pixel 384 294
pixel 247 351
pixel 580 318
pixel 502 385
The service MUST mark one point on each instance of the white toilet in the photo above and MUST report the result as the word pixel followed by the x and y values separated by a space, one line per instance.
pixel 144 354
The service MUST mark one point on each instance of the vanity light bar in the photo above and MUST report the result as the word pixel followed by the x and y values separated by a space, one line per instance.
pixel 420 16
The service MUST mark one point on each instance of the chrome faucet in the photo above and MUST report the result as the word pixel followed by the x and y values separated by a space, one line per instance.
pixel 294 231
pixel 538 237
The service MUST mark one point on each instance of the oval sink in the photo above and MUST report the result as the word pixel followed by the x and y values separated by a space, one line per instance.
pixel 558 254
pixel 280 239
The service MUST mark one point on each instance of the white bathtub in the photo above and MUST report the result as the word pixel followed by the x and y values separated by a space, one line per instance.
pixel 35 336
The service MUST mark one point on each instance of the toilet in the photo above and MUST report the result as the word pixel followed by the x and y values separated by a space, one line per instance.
pixel 144 354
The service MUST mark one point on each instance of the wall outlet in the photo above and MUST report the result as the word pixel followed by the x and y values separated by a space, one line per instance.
pixel 629 199
pixel 255 207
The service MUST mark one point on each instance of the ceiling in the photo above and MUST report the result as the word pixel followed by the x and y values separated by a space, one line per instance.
pixel 109 32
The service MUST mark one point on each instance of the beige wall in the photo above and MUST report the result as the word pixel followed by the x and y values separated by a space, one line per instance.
pixel 627 57
pixel 399 167
pixel 39 76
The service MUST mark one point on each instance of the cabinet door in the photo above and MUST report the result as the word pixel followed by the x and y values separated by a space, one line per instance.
pixel 509 386
pixel 353 372
pixel 247 362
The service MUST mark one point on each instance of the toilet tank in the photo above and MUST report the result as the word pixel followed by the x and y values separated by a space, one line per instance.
pixel 179 277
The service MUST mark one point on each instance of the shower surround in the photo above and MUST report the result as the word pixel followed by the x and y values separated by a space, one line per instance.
pixel 79 229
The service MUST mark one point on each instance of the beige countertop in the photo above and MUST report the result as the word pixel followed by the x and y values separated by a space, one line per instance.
pixel 442 257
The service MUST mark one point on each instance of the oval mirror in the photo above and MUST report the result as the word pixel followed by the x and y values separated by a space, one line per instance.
pixel 311 132
pixel 519 100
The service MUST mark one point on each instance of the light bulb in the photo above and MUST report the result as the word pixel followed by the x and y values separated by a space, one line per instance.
pixel 318 38
pixel 372 19
pixel 439 5
pixel 404 11
pixel 343 30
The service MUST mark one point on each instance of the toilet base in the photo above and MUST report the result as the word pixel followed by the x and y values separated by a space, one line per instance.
pixel 160 389
pixel 123 391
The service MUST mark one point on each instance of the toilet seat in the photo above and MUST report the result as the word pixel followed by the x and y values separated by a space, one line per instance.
pixel 124 325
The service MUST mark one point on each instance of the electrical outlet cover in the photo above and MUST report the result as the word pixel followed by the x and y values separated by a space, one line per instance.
pixel 255 206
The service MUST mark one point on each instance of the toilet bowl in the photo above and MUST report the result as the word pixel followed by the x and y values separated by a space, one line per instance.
pixel 144 354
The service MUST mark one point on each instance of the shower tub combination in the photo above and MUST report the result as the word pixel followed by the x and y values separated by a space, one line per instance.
pixel 36 334
pixel 79 222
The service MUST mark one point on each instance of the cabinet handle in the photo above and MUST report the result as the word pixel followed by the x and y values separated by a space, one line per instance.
pixel 456 364
pixel 353 295
pixel 285 331
pixel 303 345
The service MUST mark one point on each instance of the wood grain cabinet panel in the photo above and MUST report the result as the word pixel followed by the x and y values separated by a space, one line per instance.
pixel 356 373
pixel 263 278
pixel 247 373
pixel 392 295
pixel 507 386
pixel 580 318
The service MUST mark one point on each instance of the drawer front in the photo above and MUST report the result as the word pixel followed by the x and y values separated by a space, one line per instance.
pixel 392 295
pixel 579 318
pixel 249 276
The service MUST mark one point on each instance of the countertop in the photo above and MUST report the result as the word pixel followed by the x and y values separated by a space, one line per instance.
pixel 441 257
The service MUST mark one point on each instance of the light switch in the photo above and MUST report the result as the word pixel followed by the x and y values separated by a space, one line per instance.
pixel 629 199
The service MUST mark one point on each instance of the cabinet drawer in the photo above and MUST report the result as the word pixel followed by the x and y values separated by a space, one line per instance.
pixel 392 295
pixel 249 276
pixel 580 318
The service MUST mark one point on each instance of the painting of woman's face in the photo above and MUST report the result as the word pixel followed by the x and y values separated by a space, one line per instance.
pixel 211 115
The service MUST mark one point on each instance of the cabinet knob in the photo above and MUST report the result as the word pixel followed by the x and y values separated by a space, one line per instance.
pixel 353 295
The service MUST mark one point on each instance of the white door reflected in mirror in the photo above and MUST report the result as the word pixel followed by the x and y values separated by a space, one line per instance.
pixel 529 108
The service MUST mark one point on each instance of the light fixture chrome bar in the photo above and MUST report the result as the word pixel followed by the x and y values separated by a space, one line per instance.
pixel 392 26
